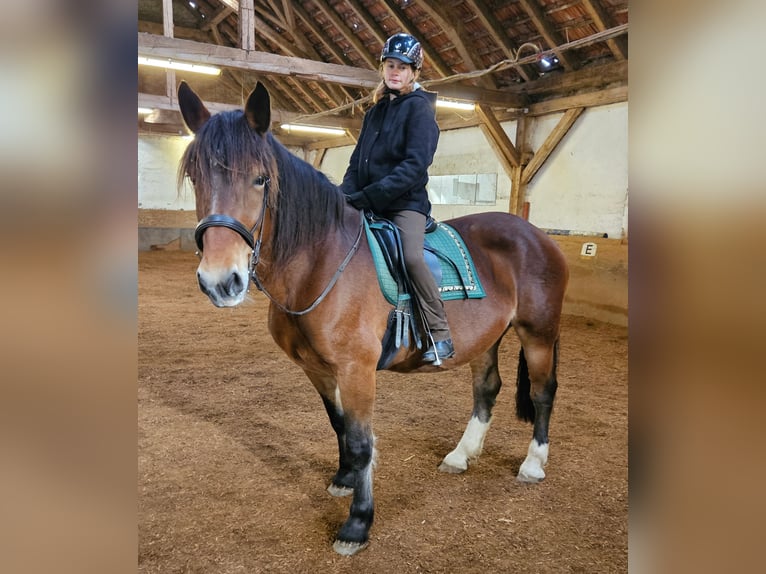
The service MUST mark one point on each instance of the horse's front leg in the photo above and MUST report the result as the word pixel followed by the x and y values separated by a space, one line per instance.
pixel 354 534
pixel 349 406
pixel 356 391
pixel 342 483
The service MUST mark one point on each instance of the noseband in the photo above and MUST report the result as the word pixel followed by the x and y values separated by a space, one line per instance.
pixel 221 220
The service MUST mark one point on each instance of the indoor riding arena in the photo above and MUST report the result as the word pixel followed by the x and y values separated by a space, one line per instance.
pixel 235 447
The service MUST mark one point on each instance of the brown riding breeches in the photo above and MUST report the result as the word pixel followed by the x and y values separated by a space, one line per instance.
pixel 412 226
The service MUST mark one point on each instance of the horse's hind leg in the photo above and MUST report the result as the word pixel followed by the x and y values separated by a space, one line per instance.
pixel 486 385
pixel 535 393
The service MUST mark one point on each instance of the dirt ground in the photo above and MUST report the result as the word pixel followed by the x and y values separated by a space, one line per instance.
pixel 235 453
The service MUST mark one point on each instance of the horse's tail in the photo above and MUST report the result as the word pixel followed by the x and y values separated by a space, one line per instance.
pixel 525 408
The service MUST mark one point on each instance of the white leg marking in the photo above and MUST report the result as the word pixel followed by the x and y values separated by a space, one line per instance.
pixel 531 469
pixel 468 449
pixel 338 402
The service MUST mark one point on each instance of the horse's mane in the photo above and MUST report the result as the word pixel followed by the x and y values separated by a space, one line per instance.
pixel 304 203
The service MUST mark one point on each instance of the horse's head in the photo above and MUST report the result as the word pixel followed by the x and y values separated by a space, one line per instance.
pixel 231 169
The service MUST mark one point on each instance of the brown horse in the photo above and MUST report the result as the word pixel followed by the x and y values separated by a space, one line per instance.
pixel 268 216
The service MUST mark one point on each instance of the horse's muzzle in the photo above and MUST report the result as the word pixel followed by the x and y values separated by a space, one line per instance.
pixel 226 291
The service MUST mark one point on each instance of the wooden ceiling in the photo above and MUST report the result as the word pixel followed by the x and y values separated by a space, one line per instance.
pixel 319 58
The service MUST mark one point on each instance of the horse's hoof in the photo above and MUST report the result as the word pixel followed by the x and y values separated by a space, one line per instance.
pixel 348 548
pixel 451 469
pixel 336 490
pixel 529 479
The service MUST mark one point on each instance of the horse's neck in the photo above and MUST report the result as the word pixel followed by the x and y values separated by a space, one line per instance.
pixel 313 264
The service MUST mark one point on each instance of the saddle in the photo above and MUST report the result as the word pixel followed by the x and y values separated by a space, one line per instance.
pixel 450 263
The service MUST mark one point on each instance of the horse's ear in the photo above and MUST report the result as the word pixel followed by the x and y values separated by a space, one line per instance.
pixel 258 109
pixel 192 109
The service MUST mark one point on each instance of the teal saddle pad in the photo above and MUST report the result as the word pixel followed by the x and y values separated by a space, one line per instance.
pixel 459 280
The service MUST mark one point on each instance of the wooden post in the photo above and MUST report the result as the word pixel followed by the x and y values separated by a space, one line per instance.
pixel 518 185
pixel 246 25
pixel 167 31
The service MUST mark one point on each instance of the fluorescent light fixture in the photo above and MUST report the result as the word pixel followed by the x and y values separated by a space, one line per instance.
pixel 144 111
pixel 213 71
pixel 453 105
pixel 313 129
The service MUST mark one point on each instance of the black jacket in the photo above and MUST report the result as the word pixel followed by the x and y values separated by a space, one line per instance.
pixel 388 170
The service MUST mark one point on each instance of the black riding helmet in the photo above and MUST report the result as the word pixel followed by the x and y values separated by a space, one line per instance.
pixel 405 48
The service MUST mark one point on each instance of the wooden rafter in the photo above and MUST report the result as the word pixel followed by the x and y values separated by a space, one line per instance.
pixel 311 23
pixel 330 91
pixel 273 10
pixel 287 10
pixel 455 31
pixel 364 15
pixel 547 31
pixel 287 91
pixel 602 21
pixel 340 92
pixel 218 17
pixel 550 143
pixel 331 47
pixel 346 32
pixel 497 136
pixel 499 35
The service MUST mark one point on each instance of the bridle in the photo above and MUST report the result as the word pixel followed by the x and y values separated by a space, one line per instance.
pixel 248 235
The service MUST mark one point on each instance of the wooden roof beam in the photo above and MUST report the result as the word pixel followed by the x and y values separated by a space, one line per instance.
pixel 498 138
pixel 331 92
pixel 369 21
pixel 289 90
pixel 550 143
pixel 455 31
pixel 219 16
pixel 311 24
pixel 602 21
pixel 302 69
pixel 585 78
pixel 260 62
pixel 347 33
pixel 501 38
pixel 182 32
pixel 543 25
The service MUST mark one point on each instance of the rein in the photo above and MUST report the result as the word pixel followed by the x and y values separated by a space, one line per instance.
pixel 219 220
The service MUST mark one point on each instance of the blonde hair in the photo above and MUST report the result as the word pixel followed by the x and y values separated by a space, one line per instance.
pixel 377 95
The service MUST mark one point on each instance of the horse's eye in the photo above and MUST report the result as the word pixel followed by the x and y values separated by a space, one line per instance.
pixel 260 180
